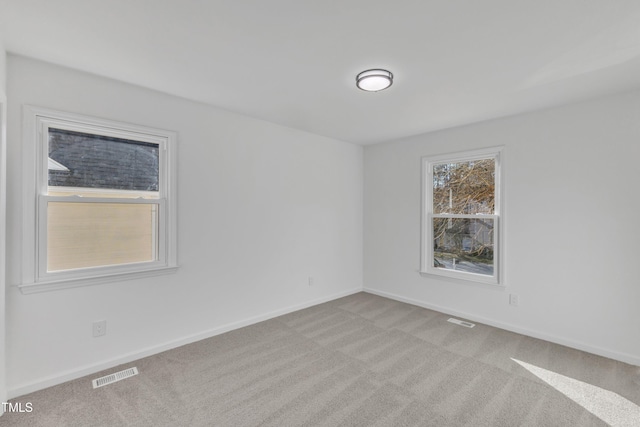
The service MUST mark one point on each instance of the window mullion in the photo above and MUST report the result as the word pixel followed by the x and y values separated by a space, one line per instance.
pixel 45 198
pixel 463 216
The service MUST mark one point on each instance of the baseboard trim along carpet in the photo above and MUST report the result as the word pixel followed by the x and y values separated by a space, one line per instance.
pixel 361 360
pixel 130 357
pixel 622 357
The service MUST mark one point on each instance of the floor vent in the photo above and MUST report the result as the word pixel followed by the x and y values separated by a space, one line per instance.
pixel 108 379
pixel 461 323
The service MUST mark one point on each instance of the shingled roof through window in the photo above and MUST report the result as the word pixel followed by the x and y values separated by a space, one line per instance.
pixel 96 161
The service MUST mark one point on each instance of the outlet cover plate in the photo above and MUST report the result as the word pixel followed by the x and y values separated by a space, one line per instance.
pixel 99 328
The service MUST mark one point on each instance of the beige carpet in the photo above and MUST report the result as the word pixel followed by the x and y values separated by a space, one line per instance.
pixel 362 360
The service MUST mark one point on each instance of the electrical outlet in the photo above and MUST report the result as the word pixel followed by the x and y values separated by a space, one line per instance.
pixel 99 328
pixel 513 300
pixel 310 281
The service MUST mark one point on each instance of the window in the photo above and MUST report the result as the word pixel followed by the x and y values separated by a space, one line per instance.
pixel 461 216
pixel 103 200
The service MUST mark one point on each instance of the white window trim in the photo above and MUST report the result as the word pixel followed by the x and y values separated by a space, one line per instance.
pixel 426 263
pixel 36 121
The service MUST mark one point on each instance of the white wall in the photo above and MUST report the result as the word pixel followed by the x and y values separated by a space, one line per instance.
pixel 3 99
pixel 572 236
pixel 261 208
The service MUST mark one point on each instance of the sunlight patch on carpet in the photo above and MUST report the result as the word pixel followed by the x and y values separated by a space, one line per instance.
pixel 610 407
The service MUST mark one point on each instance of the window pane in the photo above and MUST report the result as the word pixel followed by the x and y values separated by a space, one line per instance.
pixel 85 160
pixel 464 187
pixel 81 235
pixel 464 244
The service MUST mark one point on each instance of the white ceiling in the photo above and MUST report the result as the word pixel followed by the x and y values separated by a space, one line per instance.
pixel 294 62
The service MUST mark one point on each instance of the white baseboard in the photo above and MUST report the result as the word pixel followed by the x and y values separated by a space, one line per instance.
pixel 622 357
pixel 130 357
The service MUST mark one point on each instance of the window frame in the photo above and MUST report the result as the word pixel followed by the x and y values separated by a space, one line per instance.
pixel 35 277
pixel 427 251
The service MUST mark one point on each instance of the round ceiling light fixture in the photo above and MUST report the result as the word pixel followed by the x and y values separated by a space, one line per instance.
pixel 374 80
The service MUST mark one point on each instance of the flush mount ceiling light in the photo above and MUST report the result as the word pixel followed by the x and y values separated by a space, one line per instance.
pixel 374 80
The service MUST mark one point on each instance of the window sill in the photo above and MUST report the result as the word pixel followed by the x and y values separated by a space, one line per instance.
pixel 32 288
pixel 463 278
